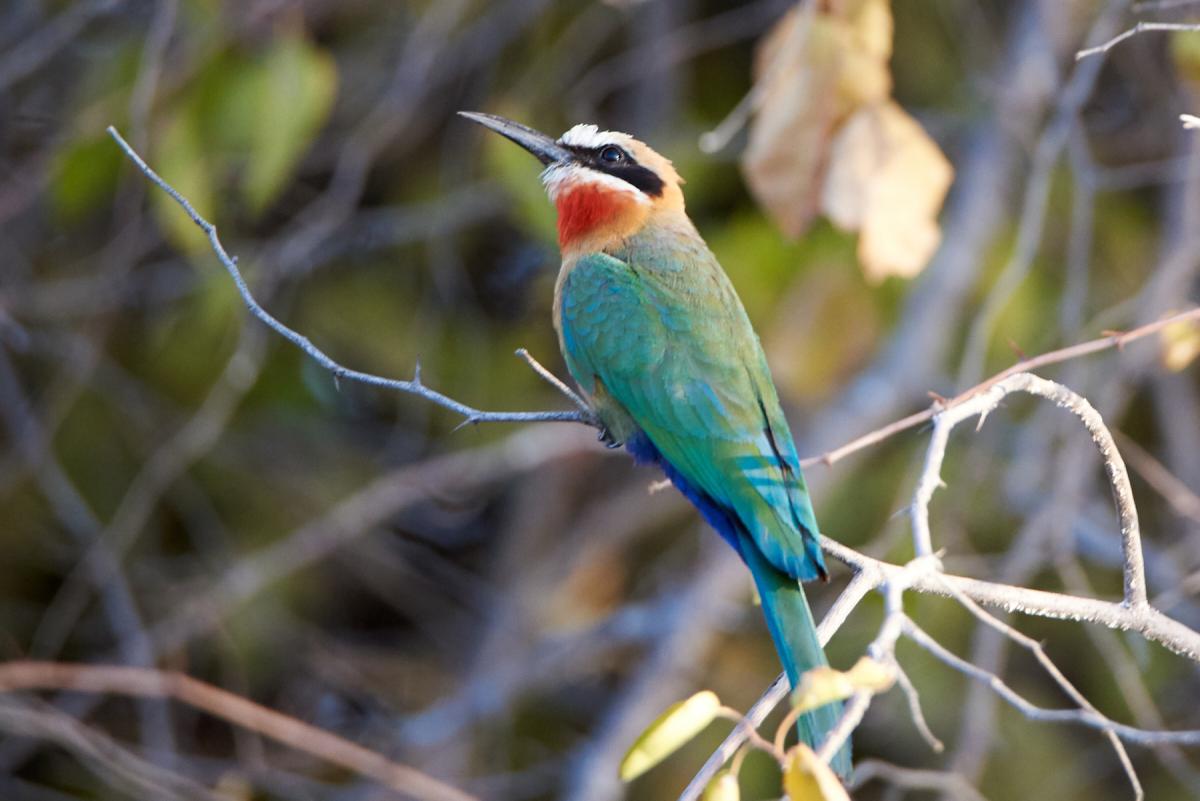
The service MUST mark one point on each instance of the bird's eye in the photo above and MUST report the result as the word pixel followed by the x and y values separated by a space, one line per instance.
pixel 612 155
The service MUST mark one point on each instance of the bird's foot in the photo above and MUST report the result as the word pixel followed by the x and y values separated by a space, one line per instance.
pixel 608 439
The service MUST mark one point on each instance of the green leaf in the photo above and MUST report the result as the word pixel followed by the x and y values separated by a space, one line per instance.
pixel 679 724
pixel 85 176
pixel 807 778
pixel 293 90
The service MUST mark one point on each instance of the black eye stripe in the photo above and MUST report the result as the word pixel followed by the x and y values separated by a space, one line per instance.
pixel 627 169
pixel 636 175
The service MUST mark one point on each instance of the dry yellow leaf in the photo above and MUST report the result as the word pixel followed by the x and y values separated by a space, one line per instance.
pixel 674 727
pixel 871 674
pixel 887 180
pixel 824 685
pixel 864 75
pixel 812 71
pixel 1180 343
pixel 826 137
pixel 807 778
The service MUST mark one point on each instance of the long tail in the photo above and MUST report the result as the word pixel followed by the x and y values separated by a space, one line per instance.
pixel 795 635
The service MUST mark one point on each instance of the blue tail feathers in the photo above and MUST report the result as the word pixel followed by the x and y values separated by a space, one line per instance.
pixel 795 634
pixel 786 609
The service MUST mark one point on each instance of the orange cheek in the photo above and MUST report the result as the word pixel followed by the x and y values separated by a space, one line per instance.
pixel 588 210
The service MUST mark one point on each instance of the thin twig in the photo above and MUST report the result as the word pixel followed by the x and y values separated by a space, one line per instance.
pixel 1141 27
pixel 554 381
pixel 148 683
pixel 952 784
pixel 1106 342
pixel 914 709
pixel 882 649
pixel 1039 653
pixel 106 758
pixel 1032 711
pixel 339 371
pixel 1179 496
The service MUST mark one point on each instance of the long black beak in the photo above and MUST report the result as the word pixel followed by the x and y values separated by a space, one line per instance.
pixel 546 149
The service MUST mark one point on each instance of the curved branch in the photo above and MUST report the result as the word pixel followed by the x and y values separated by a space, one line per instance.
pixel 924 574
pixel 1146 621
pixel 1114 466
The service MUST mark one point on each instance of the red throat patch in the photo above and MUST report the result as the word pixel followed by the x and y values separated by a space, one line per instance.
pixel 587 209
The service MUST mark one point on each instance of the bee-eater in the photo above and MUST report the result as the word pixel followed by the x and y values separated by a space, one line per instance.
pixel 656 337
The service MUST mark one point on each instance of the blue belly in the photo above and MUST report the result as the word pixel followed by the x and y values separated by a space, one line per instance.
pixel 719 517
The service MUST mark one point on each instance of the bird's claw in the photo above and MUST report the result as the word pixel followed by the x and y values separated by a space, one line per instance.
pixel 608 439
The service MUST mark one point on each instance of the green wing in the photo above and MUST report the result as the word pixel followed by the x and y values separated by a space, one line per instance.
pixel 667 345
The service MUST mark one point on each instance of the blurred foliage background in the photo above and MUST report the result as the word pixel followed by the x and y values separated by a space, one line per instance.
pixel 507 608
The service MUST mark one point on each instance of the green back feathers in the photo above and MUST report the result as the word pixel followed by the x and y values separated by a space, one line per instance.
pixel 659 327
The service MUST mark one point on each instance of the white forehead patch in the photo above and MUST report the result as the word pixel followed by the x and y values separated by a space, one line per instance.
pixel 590 136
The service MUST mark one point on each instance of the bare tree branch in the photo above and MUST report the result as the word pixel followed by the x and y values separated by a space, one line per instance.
pixel 982 405
pixel 1141 27
pixel 1085 717
pixel 147 683
pixel 914 710
pixel 924 574
pixel 106 758
pixel 1110 340
pixel 339 371
pixel 1039 653
pixel 954 785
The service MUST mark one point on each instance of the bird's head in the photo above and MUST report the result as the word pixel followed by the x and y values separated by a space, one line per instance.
pixel 606 185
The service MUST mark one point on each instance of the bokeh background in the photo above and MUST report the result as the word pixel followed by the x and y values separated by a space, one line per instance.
pixel 506 607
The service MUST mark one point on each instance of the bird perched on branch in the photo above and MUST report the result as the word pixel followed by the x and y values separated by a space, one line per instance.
pixel 655 335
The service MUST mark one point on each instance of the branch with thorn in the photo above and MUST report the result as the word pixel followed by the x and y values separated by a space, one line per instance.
pixel 470 415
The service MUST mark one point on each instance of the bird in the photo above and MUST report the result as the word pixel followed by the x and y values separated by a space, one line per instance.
pixel 656 337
